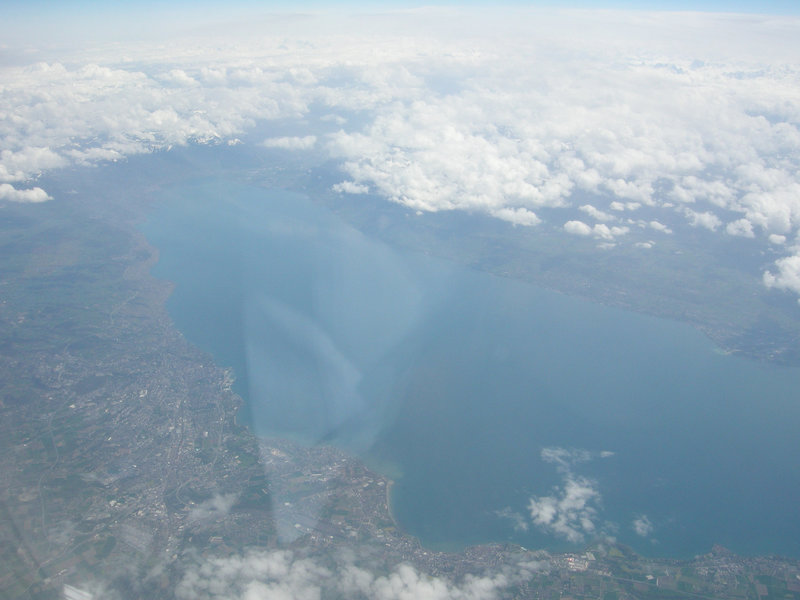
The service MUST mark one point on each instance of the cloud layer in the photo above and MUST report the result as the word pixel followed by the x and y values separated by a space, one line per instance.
pixel 283 574
pixel 523 116
pixel 570 512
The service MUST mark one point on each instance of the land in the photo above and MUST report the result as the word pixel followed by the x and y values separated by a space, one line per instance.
pixel 709 281
pixel 122 461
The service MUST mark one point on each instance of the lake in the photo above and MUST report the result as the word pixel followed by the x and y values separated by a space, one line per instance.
pixel 504 412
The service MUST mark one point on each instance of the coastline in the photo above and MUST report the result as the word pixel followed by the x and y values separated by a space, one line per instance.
pixel 305 418
pixel 170 381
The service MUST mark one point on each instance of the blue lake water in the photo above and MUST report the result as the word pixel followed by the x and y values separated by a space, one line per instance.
pixel 504 412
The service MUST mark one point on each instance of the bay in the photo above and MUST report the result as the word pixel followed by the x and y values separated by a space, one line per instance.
pixel 504 412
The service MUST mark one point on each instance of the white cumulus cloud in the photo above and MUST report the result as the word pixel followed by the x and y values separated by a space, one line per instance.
pixel 570 512
pixel 518 521
pixel 216 507
pixel 577 228
pixel 659 227
pixel 9 192
pixel 705 219
pixel 777 239
pixel 283 574
pixel 517 216
pixel 291 143
pixel 740 227
pixel 642 526
pixel 348 187
pixel 788 275
pixel 596 214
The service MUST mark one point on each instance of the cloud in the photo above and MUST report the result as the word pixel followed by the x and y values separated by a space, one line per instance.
pixel 348 187
pixel 596 214
pixel 777 239
pixel 577 228
pixel 702 219
pixel 405 582
pixel 642 526
pixel 566 458
pixel 659 227
pixel 788 276
pixel 600 230
pixel 605 232
pixel 517 520
pixel 283 574
pixel 276 574
pixel 621 206
pixel 427 155
pixel 88 113
pixel 742 228
pixel 570 512
pixel 517 216
pixel 21 164
pixel 179 77
pixel 527 148
pixel 216 507
pixel 635 114
pixel 291 143
pixel 9 192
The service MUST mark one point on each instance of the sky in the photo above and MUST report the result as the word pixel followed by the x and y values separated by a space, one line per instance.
pixel 749 6
pixel 93 19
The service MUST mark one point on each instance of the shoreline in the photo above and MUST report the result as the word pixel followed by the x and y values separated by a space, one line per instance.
pixel 237 464
pixel 390 507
